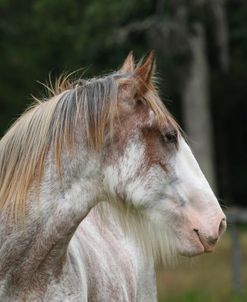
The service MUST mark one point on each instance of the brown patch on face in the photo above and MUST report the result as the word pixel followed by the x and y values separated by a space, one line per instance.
pixel 152 138
pixel 158 150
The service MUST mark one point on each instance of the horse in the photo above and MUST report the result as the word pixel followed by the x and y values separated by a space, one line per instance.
pixel 98 185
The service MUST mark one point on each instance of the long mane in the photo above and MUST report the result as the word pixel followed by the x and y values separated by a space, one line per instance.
pixel 50 125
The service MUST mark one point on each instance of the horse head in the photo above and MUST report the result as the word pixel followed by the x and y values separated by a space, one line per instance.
pixel 149 167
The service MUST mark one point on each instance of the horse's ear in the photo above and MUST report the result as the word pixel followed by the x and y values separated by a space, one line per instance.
pixel 128 64
pixel 145 72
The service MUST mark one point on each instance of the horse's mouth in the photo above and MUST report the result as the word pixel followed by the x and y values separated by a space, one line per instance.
pixel 191 247
pixel 191 251
pixel 208 243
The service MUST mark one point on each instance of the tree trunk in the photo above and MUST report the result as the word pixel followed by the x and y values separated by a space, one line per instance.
pixel 219 21
pixel 196 104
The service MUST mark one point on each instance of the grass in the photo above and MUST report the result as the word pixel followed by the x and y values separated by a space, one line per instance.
pixel 207 278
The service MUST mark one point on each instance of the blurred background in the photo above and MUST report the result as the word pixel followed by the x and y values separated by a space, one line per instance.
pixel 201 50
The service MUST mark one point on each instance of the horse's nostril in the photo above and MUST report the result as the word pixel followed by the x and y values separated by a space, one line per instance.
pixel 222 226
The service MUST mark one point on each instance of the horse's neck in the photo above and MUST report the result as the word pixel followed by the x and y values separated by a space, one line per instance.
pixel 42 241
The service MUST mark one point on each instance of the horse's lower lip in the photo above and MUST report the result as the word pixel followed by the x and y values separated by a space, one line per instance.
pixel 193 253
pixel 195 250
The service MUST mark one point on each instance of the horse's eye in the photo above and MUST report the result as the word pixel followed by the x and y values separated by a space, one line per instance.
pixel 171 137
pixel 139 102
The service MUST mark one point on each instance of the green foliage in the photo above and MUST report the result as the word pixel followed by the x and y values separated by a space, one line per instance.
pixel 199 296
pixel 188 297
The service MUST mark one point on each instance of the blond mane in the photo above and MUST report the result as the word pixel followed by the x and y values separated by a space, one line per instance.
pixel 51 124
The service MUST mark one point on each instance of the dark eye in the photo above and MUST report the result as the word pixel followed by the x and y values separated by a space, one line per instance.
pixel 139 102
pixel 171 137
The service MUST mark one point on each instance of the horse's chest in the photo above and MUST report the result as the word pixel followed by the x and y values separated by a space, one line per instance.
pixel 111 279
pixel 108 268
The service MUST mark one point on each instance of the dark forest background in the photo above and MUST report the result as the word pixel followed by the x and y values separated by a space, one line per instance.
pixel 201 50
